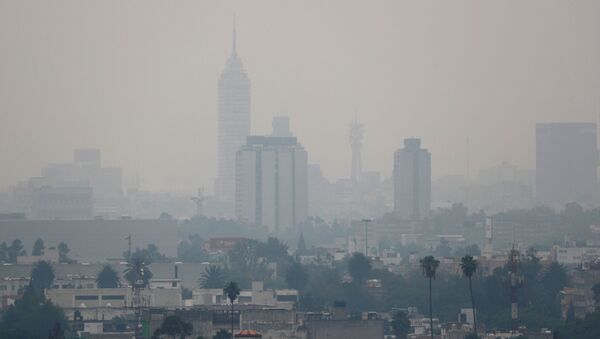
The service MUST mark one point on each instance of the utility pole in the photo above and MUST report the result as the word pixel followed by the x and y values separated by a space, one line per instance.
pixel 367 221
pixel 513 282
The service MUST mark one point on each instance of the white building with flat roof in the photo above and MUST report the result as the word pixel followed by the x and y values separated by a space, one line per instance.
pixel 272 182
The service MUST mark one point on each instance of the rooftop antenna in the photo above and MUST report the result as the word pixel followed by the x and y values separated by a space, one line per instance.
pixel 234 40
pixel 199 200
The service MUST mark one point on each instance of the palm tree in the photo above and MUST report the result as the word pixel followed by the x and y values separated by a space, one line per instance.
pixel 213 277
pixel 137 273
pixel 107 278
pixel 232 290
pixel 468 265
pixel 429 265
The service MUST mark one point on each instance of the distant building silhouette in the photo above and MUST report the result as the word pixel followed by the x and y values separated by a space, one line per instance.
pixel 356 139
pixel 79 190
pixel 272 182
pixel 234 122
pixel 412 180
pixel 566 163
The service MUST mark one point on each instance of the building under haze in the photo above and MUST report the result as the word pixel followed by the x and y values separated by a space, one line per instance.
pixel 412 180
pixel 272 182
pixel 79 190
pixel 233 122
pixel 566 164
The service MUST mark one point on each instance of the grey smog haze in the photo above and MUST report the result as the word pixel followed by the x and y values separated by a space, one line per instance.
pixel 138 80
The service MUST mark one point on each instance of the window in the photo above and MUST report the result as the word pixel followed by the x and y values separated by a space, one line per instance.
pixel 86 297
pixel 113 297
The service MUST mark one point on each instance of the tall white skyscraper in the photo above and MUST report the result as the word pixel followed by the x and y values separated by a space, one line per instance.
pixel 272 182
pixel 412 180
pixel 234 122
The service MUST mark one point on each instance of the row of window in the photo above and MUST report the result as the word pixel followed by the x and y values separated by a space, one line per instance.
pixel 96 297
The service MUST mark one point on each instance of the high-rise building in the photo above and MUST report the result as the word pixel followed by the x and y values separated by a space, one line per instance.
pixel 272 182
pixel 412 180
pixel 234 122
pixel 566 163
pixel 356 139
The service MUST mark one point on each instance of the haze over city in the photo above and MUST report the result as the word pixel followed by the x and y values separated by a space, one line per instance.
pixel 299 169
pixel 138 80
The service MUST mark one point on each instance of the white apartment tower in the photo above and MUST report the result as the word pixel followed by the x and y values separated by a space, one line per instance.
pixel 272 182
pixel 412 180
pixel 234 122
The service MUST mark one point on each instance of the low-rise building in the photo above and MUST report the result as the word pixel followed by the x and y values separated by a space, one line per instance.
pixel 575 255
pixel 114 297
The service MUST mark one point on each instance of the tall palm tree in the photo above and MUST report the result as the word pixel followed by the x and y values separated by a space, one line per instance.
pixel 232 290
pixel 213 277
pixel 429 265
pixel 468 265
pixel 137 273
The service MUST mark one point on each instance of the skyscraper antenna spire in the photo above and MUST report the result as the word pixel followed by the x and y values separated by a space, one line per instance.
pixel 234 41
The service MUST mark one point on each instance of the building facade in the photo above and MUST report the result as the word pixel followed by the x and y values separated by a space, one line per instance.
pixel 566 164
pixel 272 182
pixel 412 180
pixel 233 122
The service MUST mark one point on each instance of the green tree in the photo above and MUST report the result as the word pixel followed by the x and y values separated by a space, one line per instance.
pixel 296 276
pixel 4 252
pixel 42 277
pixel 137 273
pixel 173 326
pixel 191 249
pixel 63 253
pixel 107 277
pixel 359 267
pixel 429 265
pixel 213 277
pixel 586 328
pixel 15 250
pixel 443 249
pixel 400 325
pixel 232 291
pixel 38 247
pixel 468 265
pixel 596 290
pixel 151 253
pixel 301 247
pixel 222 334
pixel 32 317
pixel 246 264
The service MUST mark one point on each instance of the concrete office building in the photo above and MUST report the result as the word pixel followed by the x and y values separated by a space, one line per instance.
pixel 566 164
pixel 82 189
pixel 412 180
pixel 233 122
pixel 272 182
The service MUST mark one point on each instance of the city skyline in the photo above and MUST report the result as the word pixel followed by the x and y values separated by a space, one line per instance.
pixel 152 111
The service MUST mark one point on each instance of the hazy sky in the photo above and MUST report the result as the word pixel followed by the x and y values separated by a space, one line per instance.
pixel 138 79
